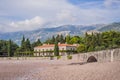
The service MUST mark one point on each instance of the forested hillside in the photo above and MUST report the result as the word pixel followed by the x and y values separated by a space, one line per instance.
pixel 113 26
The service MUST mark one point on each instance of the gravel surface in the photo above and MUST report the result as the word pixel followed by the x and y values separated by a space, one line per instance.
pixel 58 70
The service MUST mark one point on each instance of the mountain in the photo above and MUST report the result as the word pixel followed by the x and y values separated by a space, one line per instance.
pixel 113 26
pixel 44 33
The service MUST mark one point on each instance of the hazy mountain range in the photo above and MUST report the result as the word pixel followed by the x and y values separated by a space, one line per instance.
pixel 44 33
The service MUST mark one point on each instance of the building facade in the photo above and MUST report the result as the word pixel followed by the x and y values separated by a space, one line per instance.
pixel 48 49
pixel 93 32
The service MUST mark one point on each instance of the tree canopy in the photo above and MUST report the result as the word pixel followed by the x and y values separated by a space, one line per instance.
pixel 90 42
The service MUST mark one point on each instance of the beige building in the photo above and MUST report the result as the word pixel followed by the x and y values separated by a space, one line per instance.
pixel 92 32
pixel 48 49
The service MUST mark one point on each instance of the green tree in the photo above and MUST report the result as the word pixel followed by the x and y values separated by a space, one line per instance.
pixel 81 48
pixel 53 40
pixel 93 41
pixel 88 40
pixel 37 43
pixel 62 39
pixel 3 46
pixel 48 41
pixel 10 48
pixel 75 40
pixel 58 38
pixel 28 45
pixel 91 48
pixel 68 39
pixel 56 48
pixel 23 40
pixel 99 39
pixel 23 44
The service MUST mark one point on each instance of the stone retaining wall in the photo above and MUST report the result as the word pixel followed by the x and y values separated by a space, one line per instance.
pixel 101 56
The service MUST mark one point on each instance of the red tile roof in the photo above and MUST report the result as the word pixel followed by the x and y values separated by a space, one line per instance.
pixel 52 45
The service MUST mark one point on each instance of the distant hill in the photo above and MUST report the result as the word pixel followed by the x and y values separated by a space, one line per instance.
pixel 44 33
pixel 112 26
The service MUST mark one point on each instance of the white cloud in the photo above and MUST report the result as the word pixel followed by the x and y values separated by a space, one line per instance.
pixel 112 3
pixel 64 14
pixel 19 15
pixel 26 25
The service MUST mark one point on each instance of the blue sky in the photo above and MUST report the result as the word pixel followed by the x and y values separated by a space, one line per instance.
pixel 25 15
pixel 82 1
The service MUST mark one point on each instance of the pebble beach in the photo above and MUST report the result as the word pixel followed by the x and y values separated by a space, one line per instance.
pixel 58 70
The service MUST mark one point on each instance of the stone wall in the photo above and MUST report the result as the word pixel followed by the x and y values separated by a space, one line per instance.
pixel 101 56
pixel 24 58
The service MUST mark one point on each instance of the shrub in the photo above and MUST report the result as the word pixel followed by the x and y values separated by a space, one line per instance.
pixel 58 57
pixel 69 57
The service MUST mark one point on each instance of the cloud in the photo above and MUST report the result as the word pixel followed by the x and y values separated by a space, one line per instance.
pixel 33 14
pixel 25 25
pixel 36 21
pixel 112 3
pixel 65 16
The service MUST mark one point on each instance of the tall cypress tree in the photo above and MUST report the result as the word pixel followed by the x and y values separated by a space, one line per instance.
pixel 39 42
pixel 58 38
pixel 23 43
pixel 23 40
pixel 56 49
pixel 68 39
pixel 86 41
pixel 9 48
pixel 53 39
pixel 28 45
pixel 62 39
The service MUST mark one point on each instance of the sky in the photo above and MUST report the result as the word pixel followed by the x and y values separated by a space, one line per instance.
pixel 26 15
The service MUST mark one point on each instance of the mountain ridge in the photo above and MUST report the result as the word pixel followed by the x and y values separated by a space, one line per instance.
pixel 44 33
pixel 113 26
